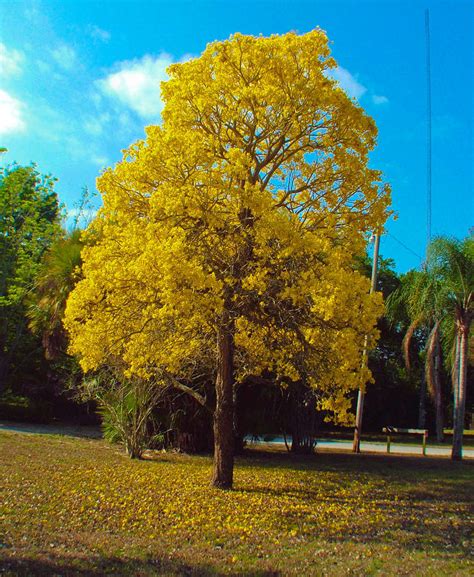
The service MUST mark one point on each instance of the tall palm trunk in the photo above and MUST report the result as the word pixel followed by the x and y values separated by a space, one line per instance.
pixel 460 390
pixel 422 403
pixel 407 339
pixel 432 370
pixel 438 394
pixel 222 477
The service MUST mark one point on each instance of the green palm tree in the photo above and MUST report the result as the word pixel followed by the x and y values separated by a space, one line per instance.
pixel 411 303
pixel 440 299
pixel 450 267
pixel 60 270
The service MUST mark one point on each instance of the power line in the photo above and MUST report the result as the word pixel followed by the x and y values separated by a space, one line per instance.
pixel 405 246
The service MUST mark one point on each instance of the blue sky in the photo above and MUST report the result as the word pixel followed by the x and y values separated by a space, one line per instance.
pixel 80 79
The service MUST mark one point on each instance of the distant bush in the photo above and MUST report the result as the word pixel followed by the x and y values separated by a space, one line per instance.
pixel 19 408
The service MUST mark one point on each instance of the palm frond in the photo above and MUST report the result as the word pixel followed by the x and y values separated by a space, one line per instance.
pixel 448 341
pixel 451 263
pixel 406 342
pixel 47 300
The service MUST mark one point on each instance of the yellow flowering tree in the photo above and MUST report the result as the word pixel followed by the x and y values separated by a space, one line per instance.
pixel 227 236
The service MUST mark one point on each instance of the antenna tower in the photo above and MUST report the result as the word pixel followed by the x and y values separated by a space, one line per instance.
pixel 428 133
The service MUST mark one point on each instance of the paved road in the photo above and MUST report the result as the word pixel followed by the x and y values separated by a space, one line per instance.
pixel 374 447
pixel 330 445
pixel 69 430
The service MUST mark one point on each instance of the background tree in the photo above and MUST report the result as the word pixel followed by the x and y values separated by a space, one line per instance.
pixel 228 235
pixel 29 222
pixel 56 277
pixel 414 300
pixel 439 298
pixel 450 273
pixel 392 398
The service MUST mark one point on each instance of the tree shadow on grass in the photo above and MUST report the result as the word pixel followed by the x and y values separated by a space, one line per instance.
pixel 428 491
pixel 415 478
pixel 421 478
pixel 19 566
pixel 368 463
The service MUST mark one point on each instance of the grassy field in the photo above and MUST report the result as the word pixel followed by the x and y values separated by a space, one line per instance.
pixel 73 506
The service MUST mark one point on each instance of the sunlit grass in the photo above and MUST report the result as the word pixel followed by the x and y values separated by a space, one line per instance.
pixel 81 505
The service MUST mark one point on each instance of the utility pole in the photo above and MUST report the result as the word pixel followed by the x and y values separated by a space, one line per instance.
pixel 361 395
pixel 423 384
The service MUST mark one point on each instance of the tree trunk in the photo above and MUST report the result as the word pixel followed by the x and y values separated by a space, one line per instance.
pixel 303 417
pixel 239 437
pixel 455 380
pixel 438 394
pixel 3 373
pixel 460 393
pixel 422 405
pixel 224 412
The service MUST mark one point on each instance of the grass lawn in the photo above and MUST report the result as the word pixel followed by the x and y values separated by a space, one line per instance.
pixel 73 506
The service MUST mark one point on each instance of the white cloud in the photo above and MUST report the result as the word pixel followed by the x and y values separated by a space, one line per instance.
pixel 376 99
pixel 94 125
pixel 43 66
pixel 100 161
pixel 33 11
pixel 137 84
pixel 65 56
pixel 83 218
pixel 347 82
pixel 11 117
pixel 125 119
pixel 10 61
pixel 98 33
pixel 87 212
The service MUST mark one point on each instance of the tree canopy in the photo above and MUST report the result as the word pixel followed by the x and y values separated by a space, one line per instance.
pixel 227 237
pixel 29 221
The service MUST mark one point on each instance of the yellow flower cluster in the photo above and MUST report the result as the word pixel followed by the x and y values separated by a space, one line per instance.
pixel 249 203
